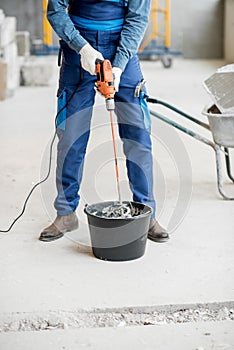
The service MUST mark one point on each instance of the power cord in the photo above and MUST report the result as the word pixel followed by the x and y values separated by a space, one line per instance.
pixel 49 168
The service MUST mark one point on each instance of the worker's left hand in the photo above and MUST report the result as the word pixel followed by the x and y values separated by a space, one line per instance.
pixel 117 75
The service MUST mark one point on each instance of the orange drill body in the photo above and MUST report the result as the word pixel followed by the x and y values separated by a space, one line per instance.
pixel 105 82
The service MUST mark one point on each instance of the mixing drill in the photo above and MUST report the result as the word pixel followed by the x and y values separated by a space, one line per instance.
pixel 105 85
pixel 105 82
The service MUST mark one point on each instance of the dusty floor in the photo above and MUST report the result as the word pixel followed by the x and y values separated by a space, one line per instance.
pixel 47 281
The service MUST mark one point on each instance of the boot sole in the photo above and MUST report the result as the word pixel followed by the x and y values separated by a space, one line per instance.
pixel 54 238
pixel 158 240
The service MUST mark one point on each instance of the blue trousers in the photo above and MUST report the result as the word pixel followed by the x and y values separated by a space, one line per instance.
pixel 73 124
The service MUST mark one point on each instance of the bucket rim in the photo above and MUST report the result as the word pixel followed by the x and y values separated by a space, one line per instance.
pixel 137 217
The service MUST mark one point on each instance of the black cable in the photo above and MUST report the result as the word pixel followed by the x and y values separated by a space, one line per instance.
pixel 50 161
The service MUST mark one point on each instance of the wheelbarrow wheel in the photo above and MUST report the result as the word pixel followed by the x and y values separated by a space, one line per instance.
pixel 166 61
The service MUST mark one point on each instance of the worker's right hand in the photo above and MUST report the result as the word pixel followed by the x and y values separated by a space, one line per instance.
pixel 88 58
pixel 117 75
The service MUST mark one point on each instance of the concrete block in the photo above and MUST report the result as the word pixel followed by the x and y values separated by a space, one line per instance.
pixel 13 75
pixel 23 43
pixel 3 80
pixel 2 16
pixel 13 72
pixel 7 31
pixel 37 71
pixel 221 88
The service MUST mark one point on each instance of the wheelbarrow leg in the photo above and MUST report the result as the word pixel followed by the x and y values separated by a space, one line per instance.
pixel 218 151
pixel 228 163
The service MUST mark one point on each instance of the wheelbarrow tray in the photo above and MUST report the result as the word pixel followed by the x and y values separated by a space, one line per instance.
pixel 221 126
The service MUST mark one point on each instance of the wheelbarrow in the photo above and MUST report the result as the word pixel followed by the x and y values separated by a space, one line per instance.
pixel 220 125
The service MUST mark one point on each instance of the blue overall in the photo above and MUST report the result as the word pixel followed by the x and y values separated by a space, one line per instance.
pixel 73 123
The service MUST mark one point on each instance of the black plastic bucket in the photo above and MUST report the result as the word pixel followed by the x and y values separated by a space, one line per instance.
pixel 118 239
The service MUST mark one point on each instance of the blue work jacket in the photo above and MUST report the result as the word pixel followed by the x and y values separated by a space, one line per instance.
pixel 132 31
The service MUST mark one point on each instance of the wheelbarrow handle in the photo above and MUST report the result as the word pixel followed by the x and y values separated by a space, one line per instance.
pixel 179 111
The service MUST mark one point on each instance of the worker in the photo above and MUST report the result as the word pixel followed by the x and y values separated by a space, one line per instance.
pixel 91 30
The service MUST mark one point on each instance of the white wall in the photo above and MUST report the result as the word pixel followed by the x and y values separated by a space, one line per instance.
pixel 197 27
pixel 229 31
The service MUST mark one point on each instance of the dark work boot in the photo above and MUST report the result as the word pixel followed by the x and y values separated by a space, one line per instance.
pixel 156 232
pixel 60 225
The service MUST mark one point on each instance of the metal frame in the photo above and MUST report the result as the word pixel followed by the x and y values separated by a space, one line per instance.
pixel 45 47
pixel 219 150
pixel 160 29
pixel 47 30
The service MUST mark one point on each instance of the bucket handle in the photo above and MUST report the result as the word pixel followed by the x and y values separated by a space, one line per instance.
pixel 85 210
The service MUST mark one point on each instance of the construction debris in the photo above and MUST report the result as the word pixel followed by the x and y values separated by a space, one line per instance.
pixel 126 317
pixel 119 211
pixel 221 88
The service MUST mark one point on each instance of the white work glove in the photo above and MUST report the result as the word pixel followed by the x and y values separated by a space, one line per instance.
pixel 88 58
pixel 117 75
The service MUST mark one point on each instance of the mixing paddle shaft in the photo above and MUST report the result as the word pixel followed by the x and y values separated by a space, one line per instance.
pixel 115 157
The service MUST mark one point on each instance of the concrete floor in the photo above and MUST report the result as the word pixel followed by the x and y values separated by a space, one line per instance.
pixel 196 266
pixel 202 336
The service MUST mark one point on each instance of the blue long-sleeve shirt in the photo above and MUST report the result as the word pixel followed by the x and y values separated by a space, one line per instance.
pixel 132 32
